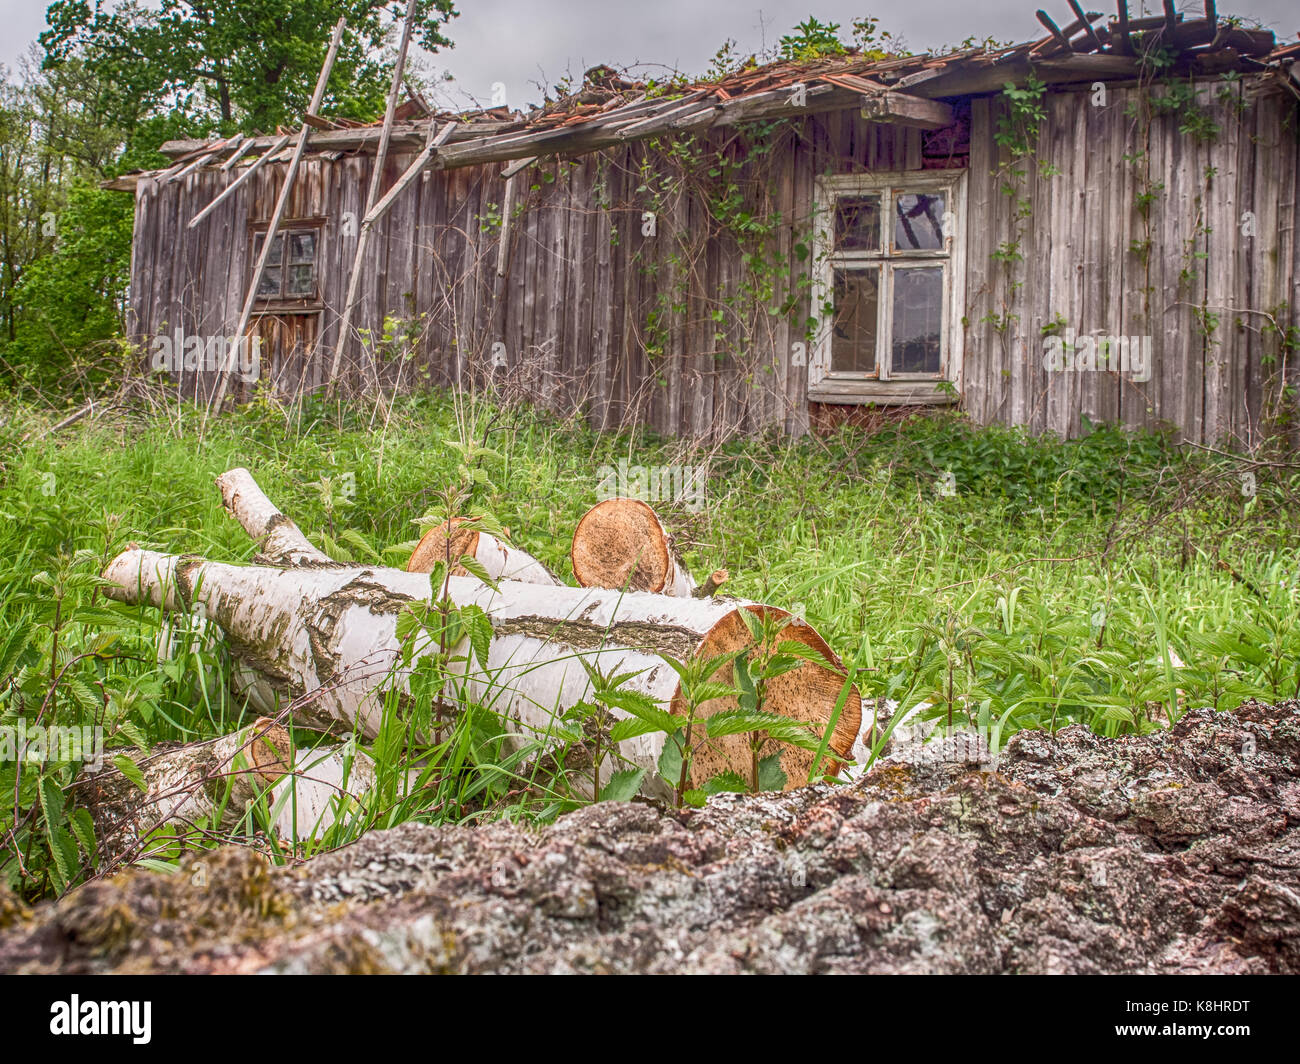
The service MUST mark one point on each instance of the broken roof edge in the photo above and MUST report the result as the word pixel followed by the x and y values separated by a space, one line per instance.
pixel 907 90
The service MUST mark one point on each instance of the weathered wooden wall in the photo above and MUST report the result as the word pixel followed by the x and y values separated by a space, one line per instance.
pixel 582 284
pixel 1078 264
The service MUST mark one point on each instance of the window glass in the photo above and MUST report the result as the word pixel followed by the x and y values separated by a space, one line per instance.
pixel 301 284
pixel 918 320
pixel 857 311
pixel 918 221
pixel 302 247
pixel 857 223
pixel 294 278
pixel 269 285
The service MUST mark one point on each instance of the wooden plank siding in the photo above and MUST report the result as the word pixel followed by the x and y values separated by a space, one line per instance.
pixel 585 294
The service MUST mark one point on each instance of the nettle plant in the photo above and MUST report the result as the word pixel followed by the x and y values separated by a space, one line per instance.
pixel 765 657
pixel 64 665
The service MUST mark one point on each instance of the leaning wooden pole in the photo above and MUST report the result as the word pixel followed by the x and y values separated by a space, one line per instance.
pixel 248 172
pixel 376 180
pixel 373 214
pixel 251 298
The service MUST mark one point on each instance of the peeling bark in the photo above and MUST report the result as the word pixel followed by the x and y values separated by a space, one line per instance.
pixel 282 543
pixel 208 786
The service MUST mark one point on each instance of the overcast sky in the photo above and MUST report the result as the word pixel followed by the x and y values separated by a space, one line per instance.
pixel 522 43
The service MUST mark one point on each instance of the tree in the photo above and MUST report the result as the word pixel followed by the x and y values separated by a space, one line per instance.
pixel 246 65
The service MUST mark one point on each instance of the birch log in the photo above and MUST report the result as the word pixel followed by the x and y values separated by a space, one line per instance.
pixel 621 543
pixel 210 785
pixel 332 633
pixel 499 559
pixel 281 541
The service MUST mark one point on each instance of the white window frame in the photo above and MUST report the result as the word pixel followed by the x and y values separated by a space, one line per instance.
pixel 878 387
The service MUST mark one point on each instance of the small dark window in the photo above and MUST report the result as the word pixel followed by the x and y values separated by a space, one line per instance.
pixel 290 271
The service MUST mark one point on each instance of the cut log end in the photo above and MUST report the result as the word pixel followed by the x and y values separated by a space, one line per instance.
pixel 433 547
pixel 808 693
pixel 269 749
pixel 620 543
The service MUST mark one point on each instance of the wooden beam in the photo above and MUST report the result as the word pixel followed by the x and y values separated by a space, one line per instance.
pixel 251 298
pixel 219 146
pixel 900 109
pixel 1171 16
pixel 376 179
pixel 1053 29
pixel 244 144
pixel 1125 46
pixel 407 135
pixel 1056 71
pixel 1086 20
pixel 225 192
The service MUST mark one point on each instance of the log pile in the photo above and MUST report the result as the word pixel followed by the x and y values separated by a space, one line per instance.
pixel 316 643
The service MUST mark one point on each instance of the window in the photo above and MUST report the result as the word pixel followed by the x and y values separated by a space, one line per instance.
pixel 290 272
pixel 887 286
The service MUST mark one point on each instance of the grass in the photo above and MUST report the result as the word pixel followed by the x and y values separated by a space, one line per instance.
pixel 1010 582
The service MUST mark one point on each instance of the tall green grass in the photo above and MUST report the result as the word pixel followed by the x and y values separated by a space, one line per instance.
pixel 1010 582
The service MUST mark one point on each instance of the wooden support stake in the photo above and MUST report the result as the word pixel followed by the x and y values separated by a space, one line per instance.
pixel 317 97
pixel 376 179
pixel 507 214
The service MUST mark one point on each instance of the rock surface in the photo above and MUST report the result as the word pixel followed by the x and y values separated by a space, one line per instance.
pixel 1174 852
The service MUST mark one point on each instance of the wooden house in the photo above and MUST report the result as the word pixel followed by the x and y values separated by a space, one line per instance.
pixel 1094 226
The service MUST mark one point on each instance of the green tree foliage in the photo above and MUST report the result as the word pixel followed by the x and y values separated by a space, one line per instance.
pixel 112 83
pixel 248 65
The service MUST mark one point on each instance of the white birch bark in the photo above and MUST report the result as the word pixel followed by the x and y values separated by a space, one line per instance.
pixel 500 560
pixel 331 633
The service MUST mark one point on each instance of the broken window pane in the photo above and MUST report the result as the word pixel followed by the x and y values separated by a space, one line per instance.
pixel 854 326
pixel 918 320
pixel 302 247
pixel 918 221
pixel 857 223
pixel 301 283
pixel 269 285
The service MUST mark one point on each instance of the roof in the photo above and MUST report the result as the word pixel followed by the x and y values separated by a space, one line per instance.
pixel 909 90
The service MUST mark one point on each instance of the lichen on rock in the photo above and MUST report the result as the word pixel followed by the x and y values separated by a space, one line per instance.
pixel 1172 852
